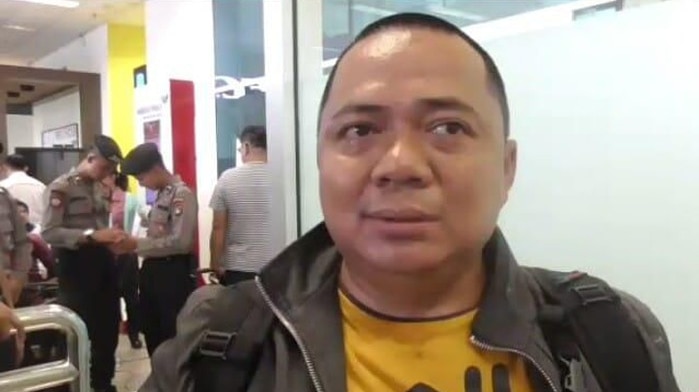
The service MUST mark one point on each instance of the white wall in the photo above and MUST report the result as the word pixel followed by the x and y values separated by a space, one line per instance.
pixel 88 53
pixel 179 42
pixel 605 116
pixel 56 112
pixel 20 132
pixel 604 110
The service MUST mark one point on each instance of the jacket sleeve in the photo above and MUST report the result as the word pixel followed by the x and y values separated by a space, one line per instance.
pixel 170 369
pixel 656 340
pixel 43 253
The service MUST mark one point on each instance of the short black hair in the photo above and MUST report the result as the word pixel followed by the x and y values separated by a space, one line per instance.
pixel 16 162
pixel 141 159
pixel 424 21
pixel 255 135
pixel 22 204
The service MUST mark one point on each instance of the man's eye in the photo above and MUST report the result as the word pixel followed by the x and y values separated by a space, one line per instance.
pixel 356 131
pixel 450 128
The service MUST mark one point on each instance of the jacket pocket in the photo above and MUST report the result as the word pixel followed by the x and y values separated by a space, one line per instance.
pixel 80 206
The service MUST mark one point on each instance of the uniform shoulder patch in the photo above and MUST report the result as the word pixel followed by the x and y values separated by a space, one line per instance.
pixel 178 206
pixel 56 199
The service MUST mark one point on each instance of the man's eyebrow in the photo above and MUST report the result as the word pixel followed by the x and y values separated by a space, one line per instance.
pixel 358 109
pixel 445 103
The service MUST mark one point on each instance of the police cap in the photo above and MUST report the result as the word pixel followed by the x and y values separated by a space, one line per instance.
pixel 141 159
pixel 107 148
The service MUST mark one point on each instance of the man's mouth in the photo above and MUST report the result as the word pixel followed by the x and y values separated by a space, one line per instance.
pixel 401 215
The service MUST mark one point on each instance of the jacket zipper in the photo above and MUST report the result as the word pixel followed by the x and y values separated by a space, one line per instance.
pixel 522 354
pixel 294 333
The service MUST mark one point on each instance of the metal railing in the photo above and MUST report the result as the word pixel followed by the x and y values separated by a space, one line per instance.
pixel 74 370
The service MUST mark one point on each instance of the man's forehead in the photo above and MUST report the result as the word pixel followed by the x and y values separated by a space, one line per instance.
pixel 385 43
pixel 433 60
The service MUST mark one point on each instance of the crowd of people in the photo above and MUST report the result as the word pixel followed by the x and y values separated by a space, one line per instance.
pixel 85 239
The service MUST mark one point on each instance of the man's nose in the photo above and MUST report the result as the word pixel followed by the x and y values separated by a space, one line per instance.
pixel 404 164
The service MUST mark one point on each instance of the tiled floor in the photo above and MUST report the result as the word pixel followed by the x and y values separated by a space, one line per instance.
pixel 132 366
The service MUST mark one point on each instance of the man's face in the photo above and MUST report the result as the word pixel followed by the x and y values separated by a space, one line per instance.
pixel 148 179
pixel 414 166
pixel 100 168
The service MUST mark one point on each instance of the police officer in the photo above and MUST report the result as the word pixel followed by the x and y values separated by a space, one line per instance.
pixel 15 247
pixel 166 278
pixel 76 225
pixel 15 262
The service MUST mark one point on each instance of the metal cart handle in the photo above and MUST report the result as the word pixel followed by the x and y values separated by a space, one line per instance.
pixel 74 370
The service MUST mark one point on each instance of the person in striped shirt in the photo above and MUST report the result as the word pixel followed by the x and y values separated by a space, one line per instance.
pixel 239 241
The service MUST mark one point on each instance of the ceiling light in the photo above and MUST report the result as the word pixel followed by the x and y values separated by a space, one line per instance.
pixel 17 28
pixel 55 3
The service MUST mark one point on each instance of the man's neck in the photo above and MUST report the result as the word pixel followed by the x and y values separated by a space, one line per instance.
pixel 168 179
pixel 455 288
pixel 256 158
pixel 82 172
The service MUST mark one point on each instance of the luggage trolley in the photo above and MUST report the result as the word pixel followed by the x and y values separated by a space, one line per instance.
pixel 73 371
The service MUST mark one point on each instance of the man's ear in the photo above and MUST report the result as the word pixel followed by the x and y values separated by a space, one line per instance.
pixel 510 167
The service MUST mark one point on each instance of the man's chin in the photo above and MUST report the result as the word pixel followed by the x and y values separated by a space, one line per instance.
pixel 413 259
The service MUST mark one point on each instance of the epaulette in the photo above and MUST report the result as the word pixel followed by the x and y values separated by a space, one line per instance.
pixel 74 179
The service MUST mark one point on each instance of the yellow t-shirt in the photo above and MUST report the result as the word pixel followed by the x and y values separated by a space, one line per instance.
pixel 423 356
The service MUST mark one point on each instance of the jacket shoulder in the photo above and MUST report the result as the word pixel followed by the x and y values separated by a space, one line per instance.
pixel 655 338
pixel 184 192
pixel 170 363
pixel 60 184
pixel 647 324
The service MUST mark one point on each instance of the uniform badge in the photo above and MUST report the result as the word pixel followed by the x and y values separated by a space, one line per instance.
pixel 56 200
pixel 178 205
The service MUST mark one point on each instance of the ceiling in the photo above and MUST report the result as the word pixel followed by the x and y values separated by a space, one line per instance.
pixel 29 31
pixel 343 19
pixel 28 91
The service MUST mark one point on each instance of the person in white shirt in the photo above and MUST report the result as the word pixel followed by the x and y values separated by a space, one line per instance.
pixel 23 187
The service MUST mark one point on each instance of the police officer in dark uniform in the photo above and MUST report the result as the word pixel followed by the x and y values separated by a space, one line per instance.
pixel 166 278
pixel 76 225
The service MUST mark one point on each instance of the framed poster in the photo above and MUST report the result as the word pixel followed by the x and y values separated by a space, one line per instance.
pixel 66 136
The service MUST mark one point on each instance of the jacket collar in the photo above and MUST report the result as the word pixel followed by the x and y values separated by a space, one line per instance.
pixel 303 282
